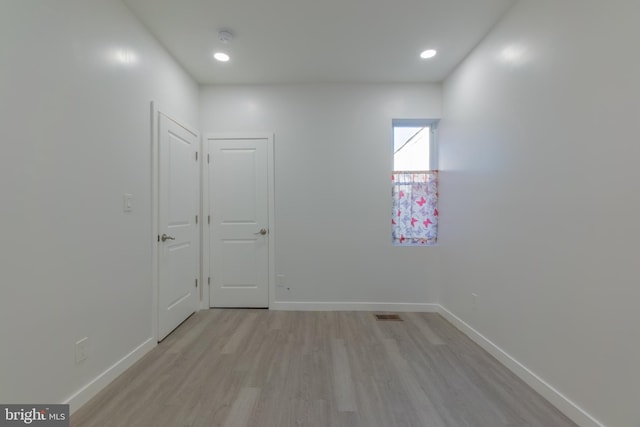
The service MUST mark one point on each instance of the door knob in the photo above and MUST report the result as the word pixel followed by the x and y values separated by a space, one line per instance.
pixel 262 232
pixel 164 238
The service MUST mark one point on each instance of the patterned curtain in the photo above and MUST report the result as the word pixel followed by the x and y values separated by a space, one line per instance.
pixel 415 208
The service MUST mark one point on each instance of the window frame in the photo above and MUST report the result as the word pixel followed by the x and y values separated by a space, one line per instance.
pixel 432 124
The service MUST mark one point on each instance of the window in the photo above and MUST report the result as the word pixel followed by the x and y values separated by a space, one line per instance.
pixel 414 183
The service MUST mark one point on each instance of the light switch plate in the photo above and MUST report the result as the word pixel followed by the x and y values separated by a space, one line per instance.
pixel 127 202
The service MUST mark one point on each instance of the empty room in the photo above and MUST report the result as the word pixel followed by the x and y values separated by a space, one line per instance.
pixel 330 213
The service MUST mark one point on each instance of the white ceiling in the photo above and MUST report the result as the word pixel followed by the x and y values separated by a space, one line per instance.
pixel 309 41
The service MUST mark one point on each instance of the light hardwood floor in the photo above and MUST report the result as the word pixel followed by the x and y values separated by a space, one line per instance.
pixel 236 368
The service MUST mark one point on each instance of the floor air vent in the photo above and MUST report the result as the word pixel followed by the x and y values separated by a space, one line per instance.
pixel 392 317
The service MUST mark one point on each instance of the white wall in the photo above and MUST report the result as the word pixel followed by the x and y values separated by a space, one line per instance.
pixel 333 160
pixel 539 198
pixel 75 137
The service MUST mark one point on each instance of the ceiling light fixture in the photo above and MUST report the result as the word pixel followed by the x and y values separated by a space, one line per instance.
pixel 429 53
pixel 221 56
pixel 224 36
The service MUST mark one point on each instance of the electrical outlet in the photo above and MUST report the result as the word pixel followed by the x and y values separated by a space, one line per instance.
pixel 280 280
pixel 474 300
pixel 82 349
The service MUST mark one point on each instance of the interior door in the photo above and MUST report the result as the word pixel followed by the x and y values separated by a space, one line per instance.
pixel 178 202
pixel 239 208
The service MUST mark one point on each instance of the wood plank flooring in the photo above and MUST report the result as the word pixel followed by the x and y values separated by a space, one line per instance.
pixel 237 368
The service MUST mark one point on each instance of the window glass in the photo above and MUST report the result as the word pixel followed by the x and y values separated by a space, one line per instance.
pixel 411 150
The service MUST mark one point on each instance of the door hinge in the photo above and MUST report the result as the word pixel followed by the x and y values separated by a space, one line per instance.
pixel 208 160
pixel 196 156
pixel 196 283
pixel 208 219
pixel 196 219
pixel 208 280
pixel 158 237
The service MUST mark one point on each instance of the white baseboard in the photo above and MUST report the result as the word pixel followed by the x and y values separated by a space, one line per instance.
pixel 83 395
pixel 352 306
pixel 557 399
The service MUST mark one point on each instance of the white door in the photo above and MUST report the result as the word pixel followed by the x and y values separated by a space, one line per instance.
pixel 178 202
pixel 239 208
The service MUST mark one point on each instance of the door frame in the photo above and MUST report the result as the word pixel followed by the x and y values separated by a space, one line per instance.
pixel 155 111
pixel 206 230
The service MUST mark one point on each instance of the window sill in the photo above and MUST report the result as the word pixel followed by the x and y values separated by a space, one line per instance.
pixel 414 245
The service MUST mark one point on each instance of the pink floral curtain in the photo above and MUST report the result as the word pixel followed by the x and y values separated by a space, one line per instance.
pixel 415 208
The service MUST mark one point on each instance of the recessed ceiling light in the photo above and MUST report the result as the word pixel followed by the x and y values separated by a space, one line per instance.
pixel 429 53
pixel 221 56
